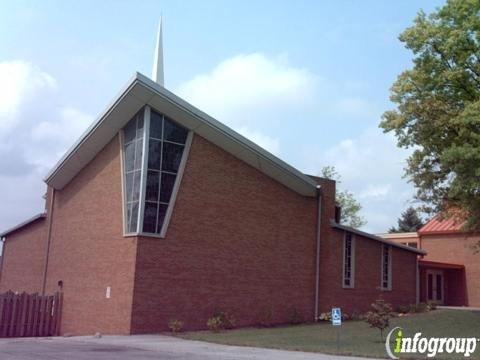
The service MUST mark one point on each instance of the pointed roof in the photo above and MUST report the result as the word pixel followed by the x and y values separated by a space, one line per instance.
pixel 437 225
pixel 141 91
pixel 158 71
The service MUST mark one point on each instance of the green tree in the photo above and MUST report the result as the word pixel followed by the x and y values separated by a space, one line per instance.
pixel 409 221
pixel 350 207
pixel 379 316
pixel 438 109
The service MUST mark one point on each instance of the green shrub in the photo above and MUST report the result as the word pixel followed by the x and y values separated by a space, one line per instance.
pixel 403 309
pixel 422 307
pixel 214 324
pixel 175 325
pixel 326 316
pixel 356 315
pixel 432 306
pixel 379 316
pixel 221 320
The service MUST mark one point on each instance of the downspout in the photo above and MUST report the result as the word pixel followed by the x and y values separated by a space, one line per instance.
pixel 49 237
pixel 2 257
pixel 417 285
pixel 317 264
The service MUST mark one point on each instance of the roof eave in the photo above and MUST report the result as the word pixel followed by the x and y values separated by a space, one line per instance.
pixel 142 91
pixel 376 238
pixel 23 224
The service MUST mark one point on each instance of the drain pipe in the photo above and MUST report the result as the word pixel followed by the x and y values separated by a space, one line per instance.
pixel 49 237
pixel 2 257
pixel 317 264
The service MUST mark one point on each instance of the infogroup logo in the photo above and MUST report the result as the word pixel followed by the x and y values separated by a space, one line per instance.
pixel 430 346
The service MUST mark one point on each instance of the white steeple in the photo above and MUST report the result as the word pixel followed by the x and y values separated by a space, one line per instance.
pixel 157 71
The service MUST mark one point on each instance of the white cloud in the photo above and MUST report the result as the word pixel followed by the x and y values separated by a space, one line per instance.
pixel 245 82
pixel 375 191
pixel 34 133
pixel 19 82
pixel 372 167
pixel 268 143
pixel 252 93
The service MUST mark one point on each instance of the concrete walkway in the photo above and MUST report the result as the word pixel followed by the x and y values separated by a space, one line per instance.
pixel 467 308
pixel 141 347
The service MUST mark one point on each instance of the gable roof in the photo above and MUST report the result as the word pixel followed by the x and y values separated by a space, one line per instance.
pixel 141 91
pixel 441 226
pixel 33 219
pixel 377 238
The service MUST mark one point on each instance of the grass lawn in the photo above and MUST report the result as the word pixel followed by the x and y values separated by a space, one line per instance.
pixel 357 338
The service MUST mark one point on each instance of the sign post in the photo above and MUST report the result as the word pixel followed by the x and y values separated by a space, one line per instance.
pixel 337 321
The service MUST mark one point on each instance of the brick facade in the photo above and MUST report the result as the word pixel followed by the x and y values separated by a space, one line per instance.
pixel 457 248
pixel 237 241
pixel 24 259
pixel 88 251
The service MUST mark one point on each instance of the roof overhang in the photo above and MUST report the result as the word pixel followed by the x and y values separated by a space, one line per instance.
pixel 440 265
pixel 377 238
pixel 141 91
pixel 23 224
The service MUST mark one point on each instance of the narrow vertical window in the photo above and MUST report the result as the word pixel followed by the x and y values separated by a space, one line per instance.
pixel 386 267
pixel 133 157
pixel 348 261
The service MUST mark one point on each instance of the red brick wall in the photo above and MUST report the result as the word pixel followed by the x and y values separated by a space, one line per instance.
pixel 237 240
pixel 24 258
pixel 457 249
pixel 88 250
pixel 367 275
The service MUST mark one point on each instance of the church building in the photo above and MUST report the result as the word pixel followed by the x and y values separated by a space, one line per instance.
pixel 161 212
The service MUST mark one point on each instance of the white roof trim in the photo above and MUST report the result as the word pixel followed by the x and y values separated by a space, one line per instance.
pixel 22 224
pixel 142 91
pixel 376 238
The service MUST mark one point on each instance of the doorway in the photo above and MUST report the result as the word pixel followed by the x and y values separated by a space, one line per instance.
pixel 435 286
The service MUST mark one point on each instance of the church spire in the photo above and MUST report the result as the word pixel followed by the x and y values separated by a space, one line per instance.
pixel 157 72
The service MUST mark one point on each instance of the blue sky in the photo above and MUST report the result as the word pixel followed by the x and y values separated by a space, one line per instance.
pixel 308 80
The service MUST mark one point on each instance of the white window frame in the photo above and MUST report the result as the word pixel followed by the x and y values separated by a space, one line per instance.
pixel 352 261
pixel 143 180
pixel 382 274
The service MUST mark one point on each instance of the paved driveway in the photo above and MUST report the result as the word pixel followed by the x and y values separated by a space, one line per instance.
pixel 141 347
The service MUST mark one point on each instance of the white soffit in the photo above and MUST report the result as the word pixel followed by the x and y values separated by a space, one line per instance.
pixel 142 91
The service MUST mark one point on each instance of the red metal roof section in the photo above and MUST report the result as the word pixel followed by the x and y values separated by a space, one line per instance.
pixel 440 265
pixel 444 226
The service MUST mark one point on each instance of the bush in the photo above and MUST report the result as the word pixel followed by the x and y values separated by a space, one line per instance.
pixel 356 315
pixel 294 316
pixel 379 316
pixel 214 324
pixel 326 316
pixel 175 325
pixel 220 320
pixel 432 306
pixel 403 309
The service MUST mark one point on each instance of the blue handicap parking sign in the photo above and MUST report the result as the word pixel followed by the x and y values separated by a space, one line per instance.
pixel 336 316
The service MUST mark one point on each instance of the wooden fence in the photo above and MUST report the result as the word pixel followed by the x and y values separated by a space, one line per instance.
pixel 29 314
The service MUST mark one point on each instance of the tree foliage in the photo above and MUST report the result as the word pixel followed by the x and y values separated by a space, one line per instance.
pixel 409 221
pixel 345 199
pixel 379 316
pixel 438 109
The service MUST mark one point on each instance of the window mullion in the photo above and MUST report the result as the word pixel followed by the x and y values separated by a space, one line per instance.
pixel 143 170
pixel 160 174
